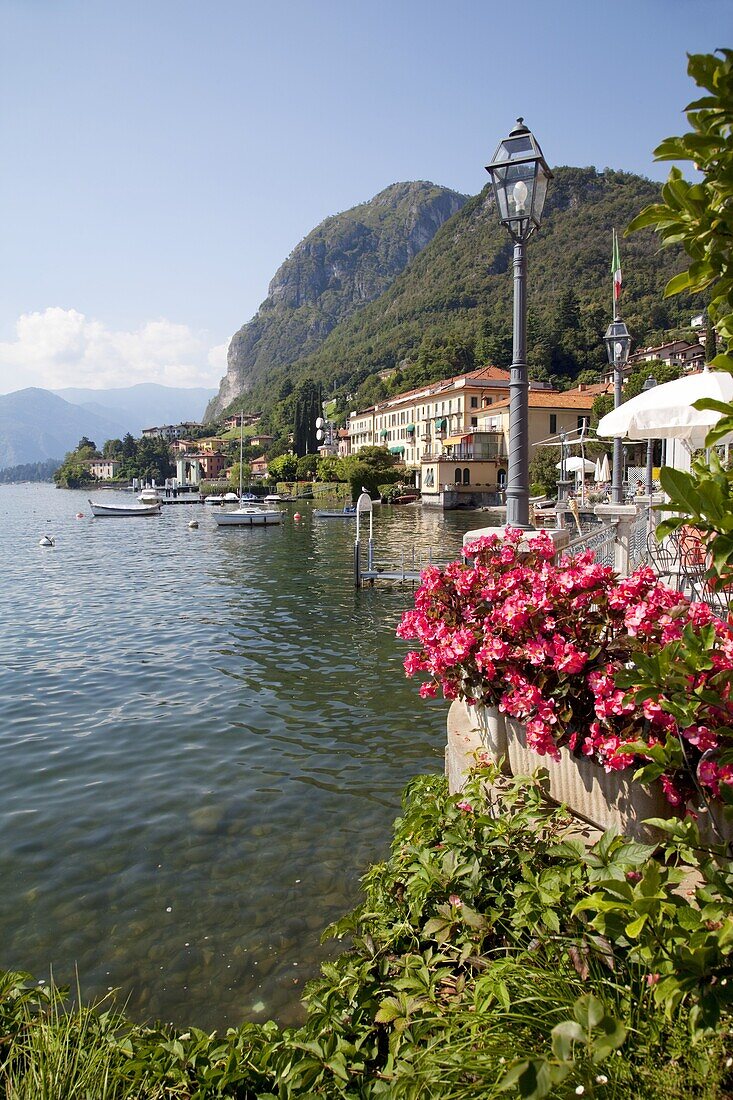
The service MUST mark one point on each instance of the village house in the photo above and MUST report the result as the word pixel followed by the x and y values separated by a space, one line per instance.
pixel 170 432
pixel 472 467
pixel 240 420
pixel 675 353
pixel 413 424
pixel 258 466
pixel 103 468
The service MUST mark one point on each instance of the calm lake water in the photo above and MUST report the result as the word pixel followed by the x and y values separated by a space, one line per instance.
pixel 204 736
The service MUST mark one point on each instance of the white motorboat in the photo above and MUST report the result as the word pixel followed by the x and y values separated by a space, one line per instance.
pixel 347 512
pixel 249 515
pixel 277 498
pixel 231 498
pixel 214 500
pixel 100 508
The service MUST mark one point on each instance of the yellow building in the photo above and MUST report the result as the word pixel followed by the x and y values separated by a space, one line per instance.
pixel 472 468
pixel 416 424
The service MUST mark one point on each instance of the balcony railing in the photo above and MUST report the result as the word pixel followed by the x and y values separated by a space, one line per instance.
pixel 467 454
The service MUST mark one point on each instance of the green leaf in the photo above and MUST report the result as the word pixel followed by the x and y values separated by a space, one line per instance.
pixel 589 1011
pixel 564 1035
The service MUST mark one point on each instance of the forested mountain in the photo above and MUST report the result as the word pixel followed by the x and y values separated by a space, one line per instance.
pixel 450 310
pixel 347 261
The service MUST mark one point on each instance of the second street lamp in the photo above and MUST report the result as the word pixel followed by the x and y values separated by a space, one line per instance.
pixel 519 175
pixel 618 343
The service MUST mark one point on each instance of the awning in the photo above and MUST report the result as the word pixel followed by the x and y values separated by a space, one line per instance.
pixel 410 427
pixel 384 432
pixel 453 440
pixel 398 450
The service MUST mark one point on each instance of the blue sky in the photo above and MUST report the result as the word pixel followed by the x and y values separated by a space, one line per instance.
pixel 162 158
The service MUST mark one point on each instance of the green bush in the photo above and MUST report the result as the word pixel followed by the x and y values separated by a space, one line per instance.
pixel 493 955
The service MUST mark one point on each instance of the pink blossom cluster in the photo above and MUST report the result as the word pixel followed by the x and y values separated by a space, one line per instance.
pixel 543 640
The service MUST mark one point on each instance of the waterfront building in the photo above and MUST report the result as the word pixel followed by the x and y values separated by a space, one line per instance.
pixel 103 468
pixel 413 424
pixel 470 468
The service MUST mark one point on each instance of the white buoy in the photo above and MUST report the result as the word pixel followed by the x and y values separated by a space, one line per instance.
pixel 47 540
pixel 194 523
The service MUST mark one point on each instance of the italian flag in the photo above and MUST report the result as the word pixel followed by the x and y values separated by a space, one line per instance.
pixel 616 269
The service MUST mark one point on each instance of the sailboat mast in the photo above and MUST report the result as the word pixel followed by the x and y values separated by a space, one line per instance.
pixel 241 445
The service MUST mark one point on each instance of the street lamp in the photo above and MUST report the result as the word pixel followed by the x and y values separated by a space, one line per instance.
pixel 649 384
pixel 618 343
pixel 519 175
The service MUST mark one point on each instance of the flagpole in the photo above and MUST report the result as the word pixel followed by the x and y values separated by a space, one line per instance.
pixel 613 277
pixel 617 492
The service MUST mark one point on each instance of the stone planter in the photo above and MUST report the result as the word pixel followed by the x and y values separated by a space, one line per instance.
pixel 605 799
pixel 472 730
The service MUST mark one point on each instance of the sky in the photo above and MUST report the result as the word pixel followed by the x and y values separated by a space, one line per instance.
pixel 162 158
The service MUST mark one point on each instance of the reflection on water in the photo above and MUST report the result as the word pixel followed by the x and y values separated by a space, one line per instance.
pixel 204 737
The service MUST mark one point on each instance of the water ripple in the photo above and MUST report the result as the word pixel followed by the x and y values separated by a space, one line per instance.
pixel 204 735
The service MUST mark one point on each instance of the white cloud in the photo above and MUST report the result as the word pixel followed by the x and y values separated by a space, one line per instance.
pixel 58 347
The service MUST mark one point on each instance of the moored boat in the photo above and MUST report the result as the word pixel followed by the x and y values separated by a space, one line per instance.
pixel 249 515
pixel 347 512
pixel 100 508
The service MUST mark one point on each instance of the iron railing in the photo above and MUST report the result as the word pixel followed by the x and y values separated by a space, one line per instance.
pixel 601 540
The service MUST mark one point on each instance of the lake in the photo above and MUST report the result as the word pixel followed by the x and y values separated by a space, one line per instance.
pixel 205 734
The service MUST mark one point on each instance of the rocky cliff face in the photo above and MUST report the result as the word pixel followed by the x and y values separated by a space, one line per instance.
pixel 347 261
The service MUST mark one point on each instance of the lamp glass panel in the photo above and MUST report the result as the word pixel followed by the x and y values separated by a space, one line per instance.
pixel 519 185
pixel 540 194
pixel 519 146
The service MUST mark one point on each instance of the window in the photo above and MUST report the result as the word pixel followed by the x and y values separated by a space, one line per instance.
pixel 553 423
pixel 429 478
pixel 501 479
pixel 466 476
pixel 474 422
pixel 457 478
pixel 474 402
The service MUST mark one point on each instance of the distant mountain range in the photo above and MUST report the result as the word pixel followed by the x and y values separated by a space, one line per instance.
pixel 38 424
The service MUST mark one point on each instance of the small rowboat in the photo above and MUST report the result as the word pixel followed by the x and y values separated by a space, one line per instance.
pixel 347 512
pixel 100 509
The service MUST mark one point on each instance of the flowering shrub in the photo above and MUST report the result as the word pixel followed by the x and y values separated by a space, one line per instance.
pixel 563 645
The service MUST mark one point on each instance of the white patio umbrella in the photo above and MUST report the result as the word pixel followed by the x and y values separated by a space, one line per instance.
pixel 602 470
pixel 666 411
pixel 574 464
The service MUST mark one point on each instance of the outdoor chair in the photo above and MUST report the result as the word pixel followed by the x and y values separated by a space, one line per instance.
pixel 663 557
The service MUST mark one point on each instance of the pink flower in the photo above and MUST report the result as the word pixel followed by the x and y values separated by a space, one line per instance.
pixel 455 901
pixel 465 806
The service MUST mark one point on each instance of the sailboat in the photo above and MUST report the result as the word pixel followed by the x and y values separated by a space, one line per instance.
pixel 247 514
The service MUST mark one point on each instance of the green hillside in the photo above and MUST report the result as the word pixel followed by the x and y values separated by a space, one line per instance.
pixel 450 310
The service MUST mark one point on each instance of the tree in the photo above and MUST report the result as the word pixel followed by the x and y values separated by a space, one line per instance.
pixel 699 216
pixel 283 468
pixel 543 471
pixel 307 410
pixel 330 468
pixel 234 475
pixel 86 448
pixel 306 467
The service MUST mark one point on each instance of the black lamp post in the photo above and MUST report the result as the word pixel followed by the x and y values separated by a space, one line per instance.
pixel 649 384
pixel 618 343
pixel 519 175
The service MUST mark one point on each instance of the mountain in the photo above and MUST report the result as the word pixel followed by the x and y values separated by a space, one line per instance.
pixel 347 261
pixel 142 406
pixel 36 425
pixel 450 309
